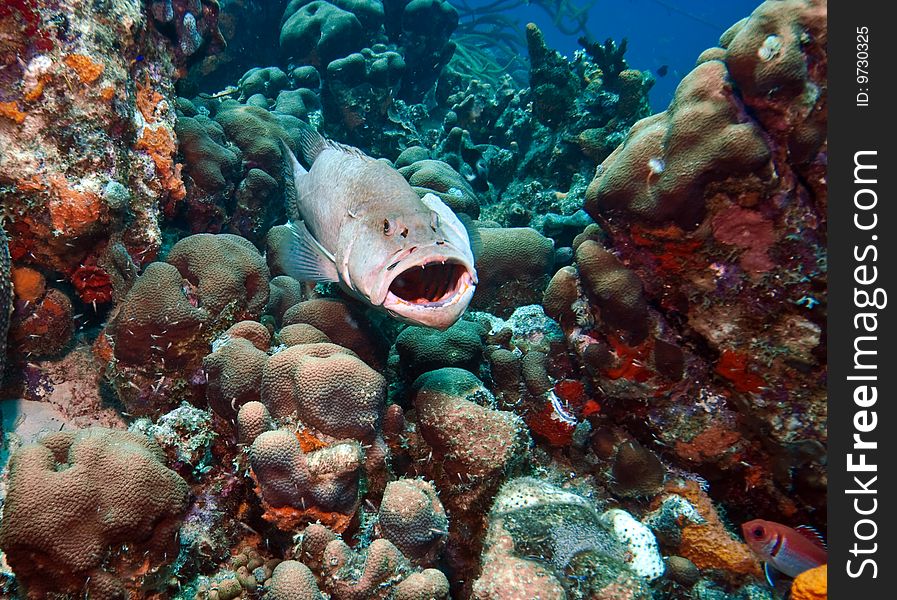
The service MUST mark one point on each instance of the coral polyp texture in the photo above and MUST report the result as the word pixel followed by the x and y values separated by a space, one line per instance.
pixel 108 495
pixel 641 368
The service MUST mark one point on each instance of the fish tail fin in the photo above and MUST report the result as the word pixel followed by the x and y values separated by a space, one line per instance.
pixel 311 143
pixel 292 173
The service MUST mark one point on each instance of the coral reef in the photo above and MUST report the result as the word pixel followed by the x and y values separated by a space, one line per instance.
pixel 100 490
pixel 719 217
pixel 173 311
pixel 6 298
pixel 581 555
pixel 811 585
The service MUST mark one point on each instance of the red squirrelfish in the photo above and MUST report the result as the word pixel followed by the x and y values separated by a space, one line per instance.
pixel 791 551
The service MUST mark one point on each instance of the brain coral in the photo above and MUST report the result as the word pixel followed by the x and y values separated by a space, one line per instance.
pixel 423 349
pixel 412 518
pixel 227 271
pixel 512 267
pixel 342 323
pixel 299 487
pixel 76 499
pixel 328 387
pixel 292 580
pixel 660 171
pixel 338 394
pixel 253 419
pixel 157 308
pixel 318 32
pixel 234 368
pixel 438 177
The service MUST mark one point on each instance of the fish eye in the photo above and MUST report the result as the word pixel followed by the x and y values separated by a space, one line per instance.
pixel 434 223
pixel 758 532
pixel 387 227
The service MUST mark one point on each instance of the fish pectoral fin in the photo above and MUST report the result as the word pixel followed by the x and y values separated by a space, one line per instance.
pixel 306 258
pixel 770 574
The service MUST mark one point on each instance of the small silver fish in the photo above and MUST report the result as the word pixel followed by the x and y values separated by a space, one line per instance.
pixel 357 221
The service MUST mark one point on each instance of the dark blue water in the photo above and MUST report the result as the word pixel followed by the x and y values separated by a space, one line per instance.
pixel 659 32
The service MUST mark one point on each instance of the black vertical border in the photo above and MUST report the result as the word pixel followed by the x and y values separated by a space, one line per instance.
pixel 854 128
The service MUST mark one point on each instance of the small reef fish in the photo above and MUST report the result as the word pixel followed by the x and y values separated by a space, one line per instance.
pixel 356 221
pixel 791 551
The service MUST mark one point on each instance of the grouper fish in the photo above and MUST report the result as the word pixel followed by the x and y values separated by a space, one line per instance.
pixel 356 221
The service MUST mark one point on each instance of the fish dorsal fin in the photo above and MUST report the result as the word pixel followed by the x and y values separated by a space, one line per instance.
pixel 312 143
pixel 811 534
pixel 306 259
pixel 459 222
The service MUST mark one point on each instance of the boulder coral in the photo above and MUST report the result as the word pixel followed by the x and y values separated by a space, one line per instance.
pixel 292 580
pixel 327 387
pixel 298 487
pixel 378 571
pixel 438 177
pixel 467 450
pixel 234 368
pixel 513 268
pixel 98 490
pixel 173 311
pixel 229 274
pixel 412 517
pixel 423 349
pixel 343 323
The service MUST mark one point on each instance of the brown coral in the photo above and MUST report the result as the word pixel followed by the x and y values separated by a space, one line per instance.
pixel 234 371
pixel 299 488
pixel 227 270
pixel 513 268
pixel 76 498
pixel 292 580
pixel 328 387
pixel 660 171
pixel 343 324
pixel 412 518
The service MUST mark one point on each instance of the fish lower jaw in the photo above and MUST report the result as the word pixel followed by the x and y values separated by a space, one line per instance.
pixel 439 314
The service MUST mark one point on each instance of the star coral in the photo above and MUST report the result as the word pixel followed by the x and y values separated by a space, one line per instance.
pixel 106 489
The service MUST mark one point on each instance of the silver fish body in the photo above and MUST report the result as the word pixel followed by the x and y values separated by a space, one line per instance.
pixel 357 221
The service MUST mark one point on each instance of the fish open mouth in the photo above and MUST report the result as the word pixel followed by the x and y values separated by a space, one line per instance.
pixel 431 283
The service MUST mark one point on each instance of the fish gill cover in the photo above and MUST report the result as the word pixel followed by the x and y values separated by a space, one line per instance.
pixel 640 369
